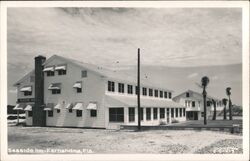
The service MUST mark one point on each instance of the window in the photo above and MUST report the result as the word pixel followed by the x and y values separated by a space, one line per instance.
pixel 136 90
pixel 169 95
pixel 56 91
pixel 84 73
pixel 155 113
pixel 130 89
pixel 156 93
pixel 50 113
pixel 78 113
pixel 70 110
pixel 202 114
pixel 111 86
pixel 120 87
pixel 180 112
pixel 165 94
pixel 193 103
pixel 148 113
pixel 30 113
pixel 187 94
pixel 131 114
pixel 27 93
pixel 93 113
pixel 150 92
pixel 208 103
pixel 116 114
pixel 161 94
pixel 58 110
pixel 172 113
pixel 176 112
pixel 144 91
pixel 79 90
pixel 141 113
pixel 50 73
pixel 162 113
pixel 184 112
pixel 61 72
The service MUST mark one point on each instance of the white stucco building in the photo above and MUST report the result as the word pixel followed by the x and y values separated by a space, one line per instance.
pixel 193 101
pixel 76 94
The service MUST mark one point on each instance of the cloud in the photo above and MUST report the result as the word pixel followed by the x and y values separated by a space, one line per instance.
pixel 192 75
pixel 13 91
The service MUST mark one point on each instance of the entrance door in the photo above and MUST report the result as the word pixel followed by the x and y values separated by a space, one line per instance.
pixel 195 115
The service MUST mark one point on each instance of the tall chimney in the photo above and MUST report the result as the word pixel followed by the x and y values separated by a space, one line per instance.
pixel 39 115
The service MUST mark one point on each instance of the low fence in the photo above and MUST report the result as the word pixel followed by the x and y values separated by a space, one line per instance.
pixel 231 129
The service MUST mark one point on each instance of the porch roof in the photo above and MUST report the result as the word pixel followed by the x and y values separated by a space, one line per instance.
pixel 112 100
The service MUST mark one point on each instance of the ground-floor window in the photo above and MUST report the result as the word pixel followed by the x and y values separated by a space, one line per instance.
pixel 141 114
pixel 78 113
pixel 58 110
pixel 172 113
pixel 116 114
pixel 202 114
pixel 30 113
pixel 176 112
pixel 70 110
pixel 155 113
pixel 184 112
pixel 148 113
pixel 50 113
pixel 93 113
pixel 162 113
pixel 131 114
pixel 180 112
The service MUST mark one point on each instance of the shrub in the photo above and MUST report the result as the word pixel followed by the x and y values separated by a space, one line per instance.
pixel 175 121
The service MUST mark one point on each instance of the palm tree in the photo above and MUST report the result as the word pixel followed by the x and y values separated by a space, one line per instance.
pixel 214 103
pixel 228 91
pixel 204 83
pixel 224 101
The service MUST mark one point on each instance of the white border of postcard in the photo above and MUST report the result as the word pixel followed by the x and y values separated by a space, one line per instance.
pixel 155 4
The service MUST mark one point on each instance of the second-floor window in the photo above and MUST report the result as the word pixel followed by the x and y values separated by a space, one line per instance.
pixel 27 90
pixel 27 93
pixel 50 73
pixel 56 91
pixel 169 95
pixel 144 91
pixel 61 72
pixel 61 69
pixel 161 94
pixel 187 94
pixel 150 92
pixel 55 88
pixel 84 73
pixel 193 103
pixel 130 89
pixel 78 86
pixel 120 87
pixel 165 94
pixel 111 86
pixel 156 93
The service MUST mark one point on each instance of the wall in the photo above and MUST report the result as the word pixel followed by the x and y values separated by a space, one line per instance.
pixel 92 90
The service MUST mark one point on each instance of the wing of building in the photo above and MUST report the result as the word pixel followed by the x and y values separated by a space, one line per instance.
pixel 68 93
pixel 193 101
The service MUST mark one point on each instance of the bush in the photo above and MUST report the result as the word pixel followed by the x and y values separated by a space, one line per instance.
pixel 163 122
pixel 175 121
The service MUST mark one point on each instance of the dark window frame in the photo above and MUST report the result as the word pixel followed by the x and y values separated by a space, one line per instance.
pixel 155 113
pixel 162 113
pixel 176 112
pixel 131 114
pixel 84 74
pixel 58 110
pixel 120 87
pixel 150 92
pixel 30 113
pixel 78 90
pixel 161 94
pixel 27 93
pixel 56 91
pixel 187 94
pixel 148 113
pixel 144 91
pixel 180 111
pixel 172 112
pixel 116 114
pixel 78 113
pixel 141 114
pixel 70 110
pixel 193 103
pixel 169 95
pixel 165 94
pixel 111 86
pixel 93 113
pixel 156 93
pixel 130 89
pixel 62 72
pixel 50 113
pixel 50 73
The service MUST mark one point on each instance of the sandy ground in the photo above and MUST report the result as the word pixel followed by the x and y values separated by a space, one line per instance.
pixel 111 141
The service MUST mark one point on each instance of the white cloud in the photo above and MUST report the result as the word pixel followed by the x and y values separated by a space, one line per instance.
pixel 192 75
pixel 13 91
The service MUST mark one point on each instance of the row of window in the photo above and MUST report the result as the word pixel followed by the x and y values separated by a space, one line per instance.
pixel 93 113
pixel 117 114
pixel 191 103
pixel 145 91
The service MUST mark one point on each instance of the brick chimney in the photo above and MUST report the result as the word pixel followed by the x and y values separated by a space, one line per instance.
pixel 39 115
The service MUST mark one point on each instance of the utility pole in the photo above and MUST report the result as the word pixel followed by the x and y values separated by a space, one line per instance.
pixel 138 91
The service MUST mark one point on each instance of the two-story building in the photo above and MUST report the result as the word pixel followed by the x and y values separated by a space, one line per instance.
pixel 193 101
pixel 68 93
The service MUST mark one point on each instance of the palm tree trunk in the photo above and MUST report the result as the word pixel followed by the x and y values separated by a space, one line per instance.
pixel 17 117
pixel 225 112
pixel 205 106
pixel 214 117
pixel 230 109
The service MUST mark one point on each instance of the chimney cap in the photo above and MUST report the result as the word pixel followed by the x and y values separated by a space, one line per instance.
pixel 40 57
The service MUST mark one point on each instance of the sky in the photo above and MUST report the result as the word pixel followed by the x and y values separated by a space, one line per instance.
pixel 170 37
